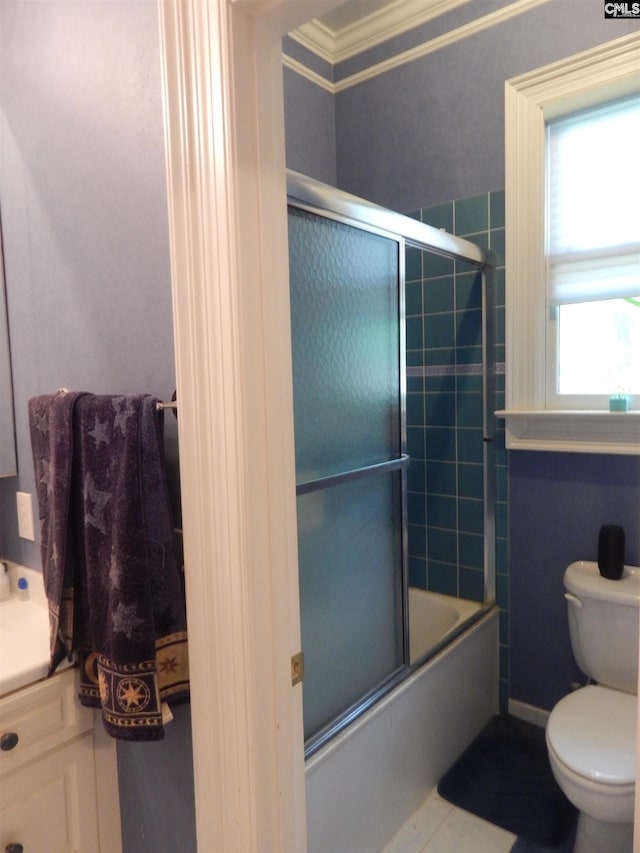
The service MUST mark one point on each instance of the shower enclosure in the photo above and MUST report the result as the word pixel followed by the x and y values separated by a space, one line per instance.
pixel 347 275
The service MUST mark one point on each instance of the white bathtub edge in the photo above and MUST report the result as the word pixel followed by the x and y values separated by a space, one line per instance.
pixel 365 784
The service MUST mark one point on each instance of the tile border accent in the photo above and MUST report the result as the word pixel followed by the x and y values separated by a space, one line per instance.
pixel 450 370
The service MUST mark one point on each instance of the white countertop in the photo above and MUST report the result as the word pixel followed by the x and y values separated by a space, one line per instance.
pixel 24 633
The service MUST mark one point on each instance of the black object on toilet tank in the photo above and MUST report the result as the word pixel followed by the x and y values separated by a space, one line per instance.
pixel 611 551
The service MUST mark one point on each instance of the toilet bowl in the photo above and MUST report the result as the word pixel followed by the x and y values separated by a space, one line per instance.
pixel 591 733
pixel 591 738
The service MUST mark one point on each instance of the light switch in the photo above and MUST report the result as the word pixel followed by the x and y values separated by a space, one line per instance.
pixel 25 516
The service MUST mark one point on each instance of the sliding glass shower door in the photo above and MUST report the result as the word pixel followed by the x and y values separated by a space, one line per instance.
pixel 348 391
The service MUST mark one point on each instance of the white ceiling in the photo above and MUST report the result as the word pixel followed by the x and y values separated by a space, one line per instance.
pixel 347 14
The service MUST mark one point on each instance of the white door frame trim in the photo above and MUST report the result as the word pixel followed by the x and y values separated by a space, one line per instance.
pixel 224 119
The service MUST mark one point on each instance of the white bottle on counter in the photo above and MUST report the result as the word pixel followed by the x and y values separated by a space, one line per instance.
pixel 23 589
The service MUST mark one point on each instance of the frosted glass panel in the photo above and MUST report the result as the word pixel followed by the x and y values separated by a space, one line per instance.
pixel 350 593
pixel 347 404
pixel 345 330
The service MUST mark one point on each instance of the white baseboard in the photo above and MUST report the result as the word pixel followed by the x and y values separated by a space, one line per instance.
pixel 530 713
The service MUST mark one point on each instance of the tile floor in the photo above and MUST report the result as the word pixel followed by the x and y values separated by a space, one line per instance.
pixel 439 827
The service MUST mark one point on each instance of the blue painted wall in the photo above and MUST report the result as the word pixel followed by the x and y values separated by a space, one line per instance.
pixel 430 132
pixel 558 501
pixel 84 215
pixel 311 128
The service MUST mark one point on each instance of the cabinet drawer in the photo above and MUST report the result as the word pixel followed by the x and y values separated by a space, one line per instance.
pixel 42 716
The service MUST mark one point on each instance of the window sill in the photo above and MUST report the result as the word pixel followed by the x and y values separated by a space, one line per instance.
pixel 573 432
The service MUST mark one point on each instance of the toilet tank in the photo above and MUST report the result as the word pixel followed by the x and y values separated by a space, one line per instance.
pixel 603 624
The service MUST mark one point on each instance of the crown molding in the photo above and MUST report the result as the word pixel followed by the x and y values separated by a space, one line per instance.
pixel 493 19
pixel 318 39
pixel 310 75
pixel 392 20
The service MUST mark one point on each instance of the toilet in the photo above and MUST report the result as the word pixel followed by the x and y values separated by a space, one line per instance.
pixel 591 733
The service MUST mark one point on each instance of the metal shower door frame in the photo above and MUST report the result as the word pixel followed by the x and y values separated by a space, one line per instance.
pixel 307 194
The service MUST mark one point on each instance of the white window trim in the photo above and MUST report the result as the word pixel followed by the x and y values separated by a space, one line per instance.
pixel 607 71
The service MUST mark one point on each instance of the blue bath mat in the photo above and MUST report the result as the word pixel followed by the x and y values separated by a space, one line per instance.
pixel 505 777
pixel 523 845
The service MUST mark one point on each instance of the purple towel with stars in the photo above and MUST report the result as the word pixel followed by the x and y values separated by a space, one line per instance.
pixel 115 559
pixel 51 424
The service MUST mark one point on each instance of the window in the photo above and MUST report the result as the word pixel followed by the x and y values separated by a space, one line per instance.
pixel 593 256
pixel 568 299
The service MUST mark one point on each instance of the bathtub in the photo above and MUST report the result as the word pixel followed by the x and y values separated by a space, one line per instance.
pixel 364 784
pixel 434 618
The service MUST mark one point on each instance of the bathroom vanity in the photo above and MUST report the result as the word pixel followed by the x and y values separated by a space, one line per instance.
pixel 58 770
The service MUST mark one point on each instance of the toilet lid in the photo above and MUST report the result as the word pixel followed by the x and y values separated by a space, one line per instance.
pixel 593 732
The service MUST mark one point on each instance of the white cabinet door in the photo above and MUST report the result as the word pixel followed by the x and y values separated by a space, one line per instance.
pixel 49 806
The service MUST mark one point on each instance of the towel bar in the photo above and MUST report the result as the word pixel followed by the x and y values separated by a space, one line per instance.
pixel 160 405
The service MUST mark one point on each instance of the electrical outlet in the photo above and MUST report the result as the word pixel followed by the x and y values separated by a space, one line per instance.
pixel 25 516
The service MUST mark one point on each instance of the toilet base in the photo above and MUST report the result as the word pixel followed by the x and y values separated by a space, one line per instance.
pixel 596 836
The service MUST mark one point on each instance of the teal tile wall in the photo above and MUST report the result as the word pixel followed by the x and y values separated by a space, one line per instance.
pixel 444 412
